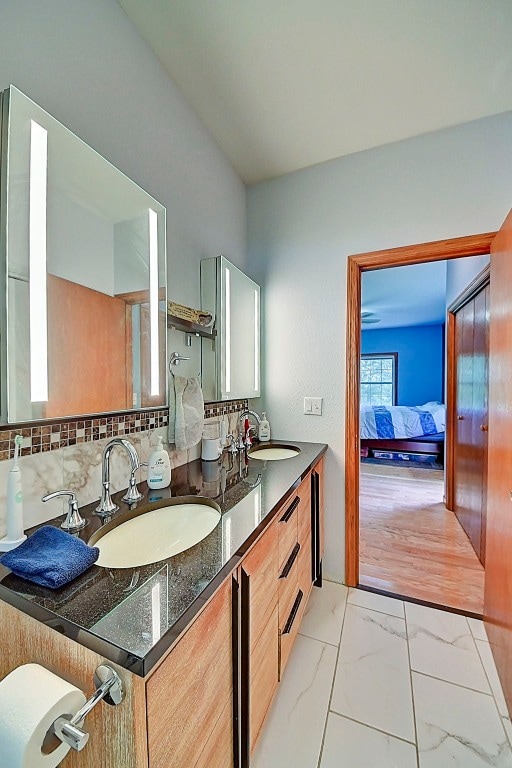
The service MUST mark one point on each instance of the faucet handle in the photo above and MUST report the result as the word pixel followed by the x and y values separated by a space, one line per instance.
pixel 133 495
pixel 74 520
pixel 232 444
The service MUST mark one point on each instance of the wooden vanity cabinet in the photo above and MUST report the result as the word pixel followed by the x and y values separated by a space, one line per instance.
pixel 204 704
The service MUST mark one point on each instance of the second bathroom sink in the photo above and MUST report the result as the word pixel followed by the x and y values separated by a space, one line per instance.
pixel 155 532
pixel 273 451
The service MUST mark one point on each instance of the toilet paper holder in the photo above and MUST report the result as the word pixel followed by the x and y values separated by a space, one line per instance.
pixel 109 687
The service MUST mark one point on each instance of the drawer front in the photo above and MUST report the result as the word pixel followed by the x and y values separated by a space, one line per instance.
pixel 304 517
pixel 288 529
pixel 289 632
pixel 261 566
pixel 288 583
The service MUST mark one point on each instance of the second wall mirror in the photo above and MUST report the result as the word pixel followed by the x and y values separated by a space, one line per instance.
pixel 230 363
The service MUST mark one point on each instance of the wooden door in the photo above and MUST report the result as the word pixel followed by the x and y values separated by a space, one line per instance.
pixel 470 449
pixel 498 581
pixel 89 351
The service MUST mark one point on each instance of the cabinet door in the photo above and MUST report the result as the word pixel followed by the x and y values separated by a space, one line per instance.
pixel 259 646
pixel 263 677
pixel 218 750
pixel 190 690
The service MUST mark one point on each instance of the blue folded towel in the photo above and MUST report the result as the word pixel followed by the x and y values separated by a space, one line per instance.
pixel 50 557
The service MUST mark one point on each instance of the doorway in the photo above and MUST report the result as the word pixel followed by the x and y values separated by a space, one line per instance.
pixel 418 254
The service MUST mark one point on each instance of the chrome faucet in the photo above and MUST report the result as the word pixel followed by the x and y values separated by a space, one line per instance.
pixel 132 495
pixel 242 442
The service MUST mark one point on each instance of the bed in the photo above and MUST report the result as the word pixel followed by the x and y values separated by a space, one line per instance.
pixel 405 429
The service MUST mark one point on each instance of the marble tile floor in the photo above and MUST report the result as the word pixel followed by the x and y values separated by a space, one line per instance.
pixel 374 682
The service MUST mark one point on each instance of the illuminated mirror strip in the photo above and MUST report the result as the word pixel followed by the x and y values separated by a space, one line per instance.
pixel 37 263
pixel 154 385
pixel 256 341
pixel 228 331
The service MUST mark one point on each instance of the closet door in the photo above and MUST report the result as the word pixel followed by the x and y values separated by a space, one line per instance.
pixel 471 341
pixel 480 415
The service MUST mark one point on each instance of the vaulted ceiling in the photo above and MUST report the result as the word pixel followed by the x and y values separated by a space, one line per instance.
pixel 284 84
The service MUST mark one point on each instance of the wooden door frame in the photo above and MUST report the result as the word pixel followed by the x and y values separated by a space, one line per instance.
pixel 439 250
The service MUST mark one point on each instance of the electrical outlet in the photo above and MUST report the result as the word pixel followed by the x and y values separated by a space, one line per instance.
pixel 316 406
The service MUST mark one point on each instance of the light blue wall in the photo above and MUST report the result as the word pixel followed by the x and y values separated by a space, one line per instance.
pixel 420 359
pixel 459 274
pixel 302 227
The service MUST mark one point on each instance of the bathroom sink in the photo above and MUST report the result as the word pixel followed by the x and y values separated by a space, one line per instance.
pixel 273 451
pixel 155 532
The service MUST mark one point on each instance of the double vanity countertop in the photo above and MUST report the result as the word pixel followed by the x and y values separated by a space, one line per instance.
pixel 133 615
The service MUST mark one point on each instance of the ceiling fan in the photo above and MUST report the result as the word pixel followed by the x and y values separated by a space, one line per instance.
pixel 368 317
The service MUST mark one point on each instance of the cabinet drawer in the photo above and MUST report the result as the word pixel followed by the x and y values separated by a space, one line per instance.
pixel 288 583
pixel 304 514
pixel 288 528
pixel 264 671
pixel 261 567
pixel 288 633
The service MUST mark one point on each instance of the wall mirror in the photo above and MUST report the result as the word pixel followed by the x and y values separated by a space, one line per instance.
pixel 230 363
pixel 83 296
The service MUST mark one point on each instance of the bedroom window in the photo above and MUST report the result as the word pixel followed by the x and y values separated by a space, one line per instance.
pixel 379 379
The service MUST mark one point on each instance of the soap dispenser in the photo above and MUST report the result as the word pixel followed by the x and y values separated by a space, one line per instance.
pixel 264 429
pixel 159 467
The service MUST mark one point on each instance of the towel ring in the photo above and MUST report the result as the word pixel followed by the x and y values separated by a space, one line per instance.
pixel 176 359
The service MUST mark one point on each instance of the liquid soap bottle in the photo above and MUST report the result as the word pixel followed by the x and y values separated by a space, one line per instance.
pixel 264 429
pixel 159 467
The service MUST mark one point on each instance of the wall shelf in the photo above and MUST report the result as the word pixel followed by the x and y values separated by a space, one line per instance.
pixel 187 327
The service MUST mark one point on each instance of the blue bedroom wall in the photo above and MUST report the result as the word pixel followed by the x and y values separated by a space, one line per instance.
pixel 420 359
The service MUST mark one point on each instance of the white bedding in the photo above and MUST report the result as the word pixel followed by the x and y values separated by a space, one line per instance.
pixel 399 422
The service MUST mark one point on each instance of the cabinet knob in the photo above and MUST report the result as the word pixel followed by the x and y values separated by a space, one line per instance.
pixel 460 418
pixel 484 427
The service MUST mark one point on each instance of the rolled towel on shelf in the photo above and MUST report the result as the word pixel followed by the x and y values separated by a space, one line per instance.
pixel 50 557
pixel 186 412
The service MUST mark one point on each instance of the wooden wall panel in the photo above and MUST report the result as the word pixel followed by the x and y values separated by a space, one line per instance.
pixel 498 582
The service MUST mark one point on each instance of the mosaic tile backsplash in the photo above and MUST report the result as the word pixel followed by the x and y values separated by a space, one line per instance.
pixel 68 455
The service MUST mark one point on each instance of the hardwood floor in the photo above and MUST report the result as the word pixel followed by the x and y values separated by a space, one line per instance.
pixel 410 544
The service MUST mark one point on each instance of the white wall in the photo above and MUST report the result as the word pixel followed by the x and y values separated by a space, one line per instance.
pixel 302 227
pixel 84 62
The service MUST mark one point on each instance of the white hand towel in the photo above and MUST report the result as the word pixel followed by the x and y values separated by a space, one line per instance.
pixel 186 412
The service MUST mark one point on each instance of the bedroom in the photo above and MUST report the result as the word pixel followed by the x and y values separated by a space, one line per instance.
pixel 422 379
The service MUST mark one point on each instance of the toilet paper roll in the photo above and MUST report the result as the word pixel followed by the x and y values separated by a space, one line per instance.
pixel 31 699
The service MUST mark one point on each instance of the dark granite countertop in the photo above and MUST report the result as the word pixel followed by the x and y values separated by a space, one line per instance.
pixel 132 616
